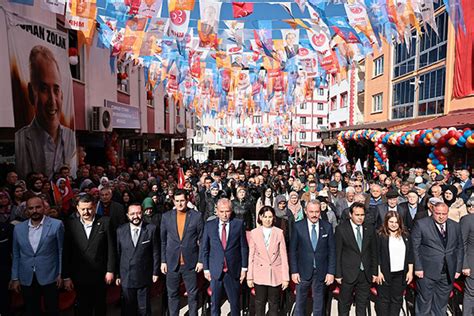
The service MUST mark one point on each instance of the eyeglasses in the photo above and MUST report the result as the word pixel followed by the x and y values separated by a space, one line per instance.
pixel 358 186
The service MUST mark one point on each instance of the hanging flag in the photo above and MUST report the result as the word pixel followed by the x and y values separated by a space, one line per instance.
pixel 291 39
pixel 359 20
pixel 181 178
pixel 426 10
pixel 301 4
pixel 209 23
pixel 242 9
pixel 184 5
pixel 150 8
pixel 178 23
pixel 56 6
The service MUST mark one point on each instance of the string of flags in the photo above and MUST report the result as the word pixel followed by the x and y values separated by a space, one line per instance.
pixel 237 64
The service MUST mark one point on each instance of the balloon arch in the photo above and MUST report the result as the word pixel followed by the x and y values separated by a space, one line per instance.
pixel 441 141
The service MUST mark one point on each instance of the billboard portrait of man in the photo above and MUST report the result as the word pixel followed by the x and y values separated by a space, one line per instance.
pixel 42 100
pixel 45 145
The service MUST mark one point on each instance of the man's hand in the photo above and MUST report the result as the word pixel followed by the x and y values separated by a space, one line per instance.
pixel 68 285
pixel 164 268
pixel 243 274
pixel 284 285
pixel 295 277
pixel 118 282
pixel 339 280
pixel 457 275
pixel 250 284
pixel 15 286
pixel 466 272
pixel 419 274
pixel 375 279
pixel 199 267
pixel 59 282
pixel 154 278
pixel 207 275
pixel 109 278
pixel 409 277
pixel 329 279
pixel 380 279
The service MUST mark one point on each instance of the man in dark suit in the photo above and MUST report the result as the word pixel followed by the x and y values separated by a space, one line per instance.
pixel 37 255
pixel 181 230
pixel 467 229
pixel 138 251
pixel 466 184
pixel 89 257
pixel 356 266
pixel 438 252
pixel 390 205
pixel 6 242
pixel 409 210
pixel 315 236
pixel 112 209
pixel 224 253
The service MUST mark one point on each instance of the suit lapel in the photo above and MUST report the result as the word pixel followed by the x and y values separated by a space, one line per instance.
pixel 365 238
pixel 174 218
pixel 186 223
pixel 44 232
pixel 321 233
pixel 352 236
pixel 26 234
pixel 94 230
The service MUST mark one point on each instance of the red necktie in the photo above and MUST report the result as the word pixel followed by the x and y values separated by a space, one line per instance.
pixel 224 244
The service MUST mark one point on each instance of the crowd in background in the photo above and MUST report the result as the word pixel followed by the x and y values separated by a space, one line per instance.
pixel 287 194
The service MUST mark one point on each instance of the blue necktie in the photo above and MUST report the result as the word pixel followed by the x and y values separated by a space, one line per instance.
pixel 314 237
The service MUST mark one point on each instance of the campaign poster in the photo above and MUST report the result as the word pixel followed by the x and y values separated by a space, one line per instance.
pixel 43 106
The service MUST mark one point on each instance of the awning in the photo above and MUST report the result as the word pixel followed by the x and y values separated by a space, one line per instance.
pixel 311 144
pixel 384 126
pixel 458 119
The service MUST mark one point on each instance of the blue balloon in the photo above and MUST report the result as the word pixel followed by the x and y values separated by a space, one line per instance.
pixel 435 161
pixel 467 133
pixel 440 167
pixel 432 156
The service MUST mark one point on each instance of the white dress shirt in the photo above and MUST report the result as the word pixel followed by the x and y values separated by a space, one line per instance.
pixel 87 227
pixel 34 234
pixel 354 229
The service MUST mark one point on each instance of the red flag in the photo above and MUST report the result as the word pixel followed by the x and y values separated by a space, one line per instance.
pixel 181 178
pixel 242 9
pixel 63 198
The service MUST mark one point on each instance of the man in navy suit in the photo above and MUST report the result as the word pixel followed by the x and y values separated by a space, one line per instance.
pixel 315 236
pixel 438 251
pixel 37 253
pixel 181 230
pixel 224 253
pixel 138 252
pixel 466 183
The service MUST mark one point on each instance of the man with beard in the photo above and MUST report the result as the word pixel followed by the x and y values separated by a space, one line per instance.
pixel 37 253
pixel 45 145
pixel 138 252
pixel 89 257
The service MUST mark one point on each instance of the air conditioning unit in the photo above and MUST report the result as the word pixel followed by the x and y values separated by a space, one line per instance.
pixel 101 119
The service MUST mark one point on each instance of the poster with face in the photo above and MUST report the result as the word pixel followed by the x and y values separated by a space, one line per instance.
pixel 209 23
pixel 290 40
pixel 42 98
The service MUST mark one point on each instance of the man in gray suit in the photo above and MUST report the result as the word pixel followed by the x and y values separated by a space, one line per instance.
pixel 45 145
pixel 467 228
pixel 438 253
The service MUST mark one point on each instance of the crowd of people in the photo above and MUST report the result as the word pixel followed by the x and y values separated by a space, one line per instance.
pixel 264 228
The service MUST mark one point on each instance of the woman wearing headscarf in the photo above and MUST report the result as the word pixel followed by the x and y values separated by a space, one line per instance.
pixel 294 205
pixel 243 208
pixel 457 208
pixel 284 218
pixel 266 199
pixel 326 212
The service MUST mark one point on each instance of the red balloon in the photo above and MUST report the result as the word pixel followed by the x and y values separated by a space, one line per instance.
pixel 437 152
pixel 451 133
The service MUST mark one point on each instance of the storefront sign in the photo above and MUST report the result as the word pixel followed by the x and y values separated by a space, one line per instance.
pixel 124 115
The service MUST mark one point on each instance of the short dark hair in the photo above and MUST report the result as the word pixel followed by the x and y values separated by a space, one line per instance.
pixel 134 204
pixel 208 178
pixel 356 205
pixel 180 192
pixel 263 210
pixel 86 198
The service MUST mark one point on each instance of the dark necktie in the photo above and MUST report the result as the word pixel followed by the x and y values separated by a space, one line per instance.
pixel 442 230
pixel 224 244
